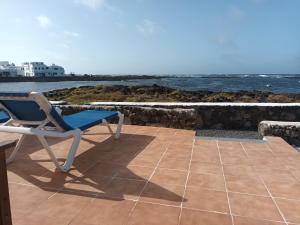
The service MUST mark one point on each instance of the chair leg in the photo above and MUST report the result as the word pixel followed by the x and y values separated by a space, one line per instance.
pixel 71 155
pixel 15 151
pixel 108 127
pixel 72 152
pixel 49 151
pixel 119 127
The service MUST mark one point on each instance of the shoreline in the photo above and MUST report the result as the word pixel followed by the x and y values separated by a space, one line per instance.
pixel 118 93
pixel 80 78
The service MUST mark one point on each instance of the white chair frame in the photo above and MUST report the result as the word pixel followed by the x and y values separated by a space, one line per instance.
pixel 41 131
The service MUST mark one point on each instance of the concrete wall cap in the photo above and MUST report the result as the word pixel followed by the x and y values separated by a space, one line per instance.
pixel 193 104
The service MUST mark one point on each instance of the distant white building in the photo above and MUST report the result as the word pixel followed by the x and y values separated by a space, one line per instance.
pixel 4 63
pixel 30 69
pixel 10 70
pixel 39 69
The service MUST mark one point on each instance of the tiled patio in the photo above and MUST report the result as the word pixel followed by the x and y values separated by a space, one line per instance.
pixel 157 176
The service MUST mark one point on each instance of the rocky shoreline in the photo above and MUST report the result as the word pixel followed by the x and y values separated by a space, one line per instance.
pixel 155 93
pixel 213 114
pixel 79 78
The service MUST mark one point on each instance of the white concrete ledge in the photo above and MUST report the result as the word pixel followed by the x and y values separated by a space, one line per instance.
pixel 280 123
pixel 195 104
pixel 58 102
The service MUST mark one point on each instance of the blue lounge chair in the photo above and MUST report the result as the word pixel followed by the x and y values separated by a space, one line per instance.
pixel 3 117
pixel 32 114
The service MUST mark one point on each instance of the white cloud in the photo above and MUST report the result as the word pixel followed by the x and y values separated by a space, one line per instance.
pixel 92 4
pixel 147 27
pixel 97 4
pixel 44 21
pixel 71 34
pixel 64 39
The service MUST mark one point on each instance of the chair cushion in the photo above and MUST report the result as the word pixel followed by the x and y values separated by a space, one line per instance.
pixel 24 110
pixel 3 117
pixel 86 119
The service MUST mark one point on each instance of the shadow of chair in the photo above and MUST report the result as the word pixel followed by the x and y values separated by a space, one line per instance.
pixel 95 170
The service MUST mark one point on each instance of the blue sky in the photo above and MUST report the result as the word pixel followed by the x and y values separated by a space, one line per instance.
pixel 154 36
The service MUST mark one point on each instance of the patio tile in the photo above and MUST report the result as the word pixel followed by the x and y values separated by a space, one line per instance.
pixel 293 162
pixel 170 177
pixel 118 157
pixel 259 157
pixel 145 160
pixel 232 151
pixel 180 146
pixel 204 199
pixel 285 189
pixel 206 181
pixel 163 194
pixel 108 183
pixel 134 172
pixel 21 177
pixel 206 168
pixel 102 211
pixel 89 185
pixel 25 198
pixel 239 171
pixel 191 217
pixel 235 159
pixel 206 155
pixel 175 163
pixel 179 153
pixel 124 188
pixel 205 142
pixel 103 169
pixel 254 207
pixel 290 209
pixel 56 179
pixel 270 164
pixel 247 185
pixel 152 214
pixel 26 171
pixel 296 174
pixel 37 220
pixel 250 221
pixel 60 208
pixel 274 175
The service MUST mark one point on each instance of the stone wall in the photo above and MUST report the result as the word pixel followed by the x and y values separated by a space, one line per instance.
pixel 236 116
pixel 289 131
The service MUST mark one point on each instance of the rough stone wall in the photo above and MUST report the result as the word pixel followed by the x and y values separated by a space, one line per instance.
pixel 244 117
pixel 289 131
pixel 197 117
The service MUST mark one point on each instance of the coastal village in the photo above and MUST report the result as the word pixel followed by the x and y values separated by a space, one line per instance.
pixel 140 112
pixel 30 69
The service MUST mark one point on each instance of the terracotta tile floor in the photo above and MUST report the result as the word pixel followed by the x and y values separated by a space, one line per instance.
pixel 156 176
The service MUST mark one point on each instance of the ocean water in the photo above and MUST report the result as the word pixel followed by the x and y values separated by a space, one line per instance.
pixel 227 82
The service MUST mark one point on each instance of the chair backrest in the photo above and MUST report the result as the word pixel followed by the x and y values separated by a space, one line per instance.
pixel 31 107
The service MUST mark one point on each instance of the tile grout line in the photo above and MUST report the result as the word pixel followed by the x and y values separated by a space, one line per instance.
pixel 226 189
pixel 271 196
pixel 234 192
pixel 273 153
pixel 208 189
pixel 111 179
pixel 144 187
pixel 186 181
